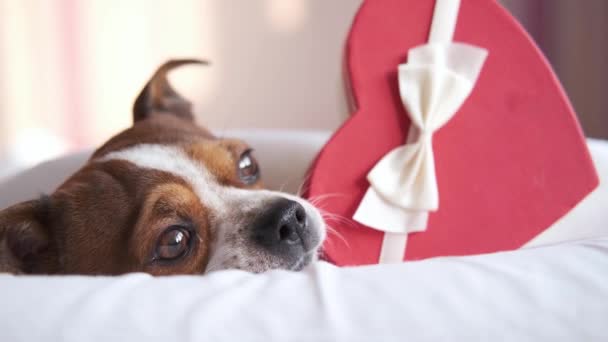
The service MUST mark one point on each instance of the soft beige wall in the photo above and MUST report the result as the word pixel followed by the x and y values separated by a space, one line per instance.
pixel 276 63
pixel 71 68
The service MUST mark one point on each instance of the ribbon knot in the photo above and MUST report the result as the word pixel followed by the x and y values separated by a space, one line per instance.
pixel 425 137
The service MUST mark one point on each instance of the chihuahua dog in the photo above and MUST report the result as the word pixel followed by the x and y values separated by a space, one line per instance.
pixel 164 197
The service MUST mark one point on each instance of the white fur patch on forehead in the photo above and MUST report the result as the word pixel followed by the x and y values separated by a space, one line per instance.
pixel 174 160
pixel 158 157
pixel 168 159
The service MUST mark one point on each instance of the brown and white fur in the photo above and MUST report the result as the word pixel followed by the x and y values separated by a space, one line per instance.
pixel 153 186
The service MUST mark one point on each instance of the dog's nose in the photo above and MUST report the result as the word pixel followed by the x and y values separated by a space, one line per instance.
pixel 282 226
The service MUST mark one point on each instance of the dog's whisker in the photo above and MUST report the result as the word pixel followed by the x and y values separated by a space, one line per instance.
pixel 333 232
pixel 319 198
pixel 339 219
pixel 329 217
pixel 334 216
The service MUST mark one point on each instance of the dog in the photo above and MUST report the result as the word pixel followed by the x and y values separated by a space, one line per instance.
pixel 164 197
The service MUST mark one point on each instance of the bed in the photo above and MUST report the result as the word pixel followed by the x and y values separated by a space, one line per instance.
pixel 555 288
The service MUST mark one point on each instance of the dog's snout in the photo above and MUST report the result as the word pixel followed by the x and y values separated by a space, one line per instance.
pixel 281 226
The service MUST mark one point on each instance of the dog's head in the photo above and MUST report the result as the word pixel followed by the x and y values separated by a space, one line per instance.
pixel 165 197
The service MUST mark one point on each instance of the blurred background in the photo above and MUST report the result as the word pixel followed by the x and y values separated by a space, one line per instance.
pixel 70 69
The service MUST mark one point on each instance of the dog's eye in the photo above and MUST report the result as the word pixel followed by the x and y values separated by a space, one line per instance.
pixel 174 243
pixel 248 170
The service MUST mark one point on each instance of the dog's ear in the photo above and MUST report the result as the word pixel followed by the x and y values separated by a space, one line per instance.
pixel 25 239
pixel 158 97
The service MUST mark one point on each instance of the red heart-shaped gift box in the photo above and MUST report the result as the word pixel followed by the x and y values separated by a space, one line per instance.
pixel 509 164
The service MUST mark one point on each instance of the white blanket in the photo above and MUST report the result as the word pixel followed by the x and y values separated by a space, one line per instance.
pixel 555 293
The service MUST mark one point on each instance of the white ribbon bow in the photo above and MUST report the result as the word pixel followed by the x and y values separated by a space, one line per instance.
pixel 433 85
